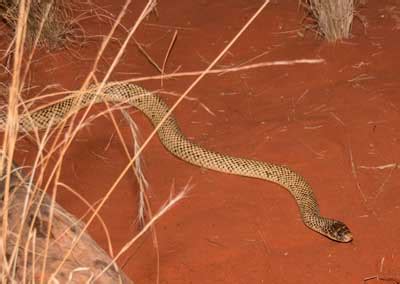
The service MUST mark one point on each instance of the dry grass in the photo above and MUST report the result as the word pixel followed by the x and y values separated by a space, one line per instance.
pixel 51 19
pixel 19 252
pixel 24 253
pixel 331 19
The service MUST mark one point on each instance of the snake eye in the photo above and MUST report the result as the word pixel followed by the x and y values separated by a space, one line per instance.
pixel 341 232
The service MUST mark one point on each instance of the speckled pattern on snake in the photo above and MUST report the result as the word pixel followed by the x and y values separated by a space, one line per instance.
pixel 173 139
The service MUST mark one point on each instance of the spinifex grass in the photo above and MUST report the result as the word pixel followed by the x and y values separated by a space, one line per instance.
pixel 331 19
pixel 51 19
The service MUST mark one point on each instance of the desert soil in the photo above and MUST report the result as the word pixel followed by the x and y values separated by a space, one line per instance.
pixel 336 123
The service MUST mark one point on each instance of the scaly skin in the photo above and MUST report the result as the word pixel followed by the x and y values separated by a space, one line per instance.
pixel 173 139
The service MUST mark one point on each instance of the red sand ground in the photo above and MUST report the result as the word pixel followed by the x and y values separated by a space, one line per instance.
pixel 330 122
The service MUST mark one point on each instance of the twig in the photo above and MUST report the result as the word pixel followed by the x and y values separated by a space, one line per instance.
pixel 225 70
pixel 354 172
pixel 171 45
pixel 148 57
pixel 381 167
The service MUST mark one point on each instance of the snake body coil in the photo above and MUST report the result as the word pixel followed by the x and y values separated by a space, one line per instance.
pixel 173 139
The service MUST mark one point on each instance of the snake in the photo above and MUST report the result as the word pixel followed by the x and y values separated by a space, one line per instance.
pixel 173 139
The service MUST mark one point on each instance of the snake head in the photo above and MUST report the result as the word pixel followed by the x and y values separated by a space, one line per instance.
pixel 338 231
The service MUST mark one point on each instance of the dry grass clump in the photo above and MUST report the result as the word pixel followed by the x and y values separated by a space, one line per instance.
pixel 48 20
pixel 331 19
pixel 34 245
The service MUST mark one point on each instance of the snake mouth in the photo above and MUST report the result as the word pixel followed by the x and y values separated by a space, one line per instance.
pixel 341 233
pixel 348 237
